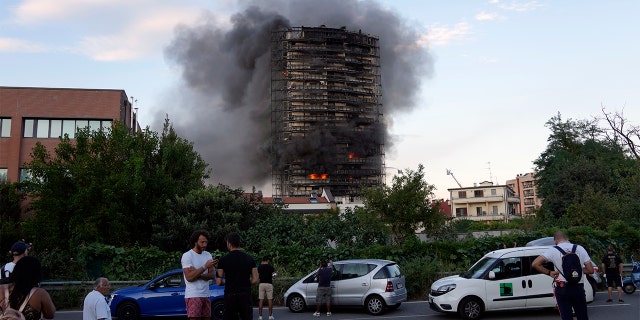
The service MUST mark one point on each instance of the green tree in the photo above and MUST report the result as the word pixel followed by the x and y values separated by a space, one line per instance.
pixel 11 198
pixel 218 209
pixel 405 207
pixel 584 177
pixel 108 186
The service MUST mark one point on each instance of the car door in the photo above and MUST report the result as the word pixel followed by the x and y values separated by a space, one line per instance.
pixel 353 283
pixel 539 286
pixel 506 289
pixel 165 296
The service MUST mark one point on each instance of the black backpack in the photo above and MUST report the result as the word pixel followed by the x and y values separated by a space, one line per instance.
pixel 571 266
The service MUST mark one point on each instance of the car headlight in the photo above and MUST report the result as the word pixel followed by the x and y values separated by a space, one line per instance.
pixel 445 288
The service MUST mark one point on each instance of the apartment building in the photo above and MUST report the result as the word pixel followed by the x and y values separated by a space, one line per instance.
pixel 29 115
pixel 524 186
pixel 484 202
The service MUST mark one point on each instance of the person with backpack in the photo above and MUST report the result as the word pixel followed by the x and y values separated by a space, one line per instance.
pixel 18 250
pixel 570 262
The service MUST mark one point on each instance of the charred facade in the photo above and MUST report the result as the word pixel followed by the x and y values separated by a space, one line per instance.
pixel 326 112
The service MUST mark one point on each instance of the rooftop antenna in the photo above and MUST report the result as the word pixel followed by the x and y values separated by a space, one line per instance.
pixel 490 175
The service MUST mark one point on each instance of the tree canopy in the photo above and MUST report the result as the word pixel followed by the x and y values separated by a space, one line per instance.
pixel 108 186
pixel 405 206
pixel 584 177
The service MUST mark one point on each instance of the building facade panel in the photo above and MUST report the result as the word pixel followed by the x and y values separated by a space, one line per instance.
pixel 45 114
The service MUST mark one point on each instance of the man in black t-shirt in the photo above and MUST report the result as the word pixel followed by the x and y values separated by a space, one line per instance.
pixel 265 289
pixel 237 271
pixel 612 266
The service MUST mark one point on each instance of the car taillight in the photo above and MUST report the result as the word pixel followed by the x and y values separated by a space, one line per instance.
pixel 389 287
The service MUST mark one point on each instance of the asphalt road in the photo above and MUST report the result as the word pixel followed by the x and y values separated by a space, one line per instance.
pixel 598 310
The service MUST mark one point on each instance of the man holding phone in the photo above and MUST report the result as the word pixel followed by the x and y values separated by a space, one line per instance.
pixel 197 266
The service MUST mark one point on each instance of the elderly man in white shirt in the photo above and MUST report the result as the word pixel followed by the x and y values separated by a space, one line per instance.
pixel 95 305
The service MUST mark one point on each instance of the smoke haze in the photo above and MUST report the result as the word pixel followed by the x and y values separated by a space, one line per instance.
pixel 225 110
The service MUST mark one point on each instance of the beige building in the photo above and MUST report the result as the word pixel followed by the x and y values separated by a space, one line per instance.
pixel 484 202
pixel 524 185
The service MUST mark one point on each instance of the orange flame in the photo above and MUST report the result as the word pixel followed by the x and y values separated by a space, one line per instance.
pixel 317 176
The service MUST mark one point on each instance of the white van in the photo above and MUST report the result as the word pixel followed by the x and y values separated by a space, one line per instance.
pixel 501 280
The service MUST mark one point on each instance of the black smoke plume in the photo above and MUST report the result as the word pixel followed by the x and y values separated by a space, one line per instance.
pixel 226 107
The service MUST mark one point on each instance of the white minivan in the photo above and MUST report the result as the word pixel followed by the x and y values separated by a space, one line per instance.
pixel 501 280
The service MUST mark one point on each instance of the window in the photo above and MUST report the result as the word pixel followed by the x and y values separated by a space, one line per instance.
pixel 479 212
pixel 478 193
pixel 42 128
pixel 494 210
pixel 28 128
pixel 462 194
pixel 461 212
pixel 5 127
pixel 69 128
pixel 3 174
pixel 25 175
pixel 494 192
pixel 57 128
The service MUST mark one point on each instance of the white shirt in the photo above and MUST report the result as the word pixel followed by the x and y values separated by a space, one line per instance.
pixel 8 268
pixel 95 307
pixel 552 254
pixel 198 288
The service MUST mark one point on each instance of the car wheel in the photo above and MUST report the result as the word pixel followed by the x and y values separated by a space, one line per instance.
pixel 128 311
pixel 296 303
pixel 217 310
pixel 470 308
pixel 375 305
pixel 629 288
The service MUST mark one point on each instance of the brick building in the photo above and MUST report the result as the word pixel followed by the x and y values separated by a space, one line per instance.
pixel 29 115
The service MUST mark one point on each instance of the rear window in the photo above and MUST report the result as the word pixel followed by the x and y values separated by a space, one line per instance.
pixel 388 271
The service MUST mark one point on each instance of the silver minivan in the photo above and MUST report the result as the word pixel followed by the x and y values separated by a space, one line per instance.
pixel 376 285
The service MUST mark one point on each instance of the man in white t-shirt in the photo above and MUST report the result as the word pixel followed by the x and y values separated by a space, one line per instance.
pixel 568 296
pixel 95 305
pixel 197 265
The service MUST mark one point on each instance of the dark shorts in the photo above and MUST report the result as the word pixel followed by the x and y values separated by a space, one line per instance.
pixel 323 295
pixel 198 307
pixel 614 281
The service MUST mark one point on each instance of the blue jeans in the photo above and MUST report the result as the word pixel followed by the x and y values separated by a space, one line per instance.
pixel 571 297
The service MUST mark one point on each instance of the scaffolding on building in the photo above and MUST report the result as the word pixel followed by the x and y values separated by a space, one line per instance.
pixel 326 112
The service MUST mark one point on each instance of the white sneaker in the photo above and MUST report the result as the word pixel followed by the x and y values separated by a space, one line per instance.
pixel 259 317
pixel 271 318
pixel 316 314
pixel 328 314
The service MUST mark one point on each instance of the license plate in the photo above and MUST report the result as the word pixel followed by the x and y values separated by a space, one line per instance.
pixel 399 285
pixel 430 299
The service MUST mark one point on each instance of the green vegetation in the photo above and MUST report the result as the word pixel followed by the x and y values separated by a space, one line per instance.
pixel 122 205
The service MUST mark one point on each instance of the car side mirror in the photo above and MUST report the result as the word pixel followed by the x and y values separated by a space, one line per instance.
pixel 492 275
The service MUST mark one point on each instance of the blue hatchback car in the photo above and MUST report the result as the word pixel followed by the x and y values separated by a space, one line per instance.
pixel 162 296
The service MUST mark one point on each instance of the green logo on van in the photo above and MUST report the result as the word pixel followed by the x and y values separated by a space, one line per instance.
pixel 506 289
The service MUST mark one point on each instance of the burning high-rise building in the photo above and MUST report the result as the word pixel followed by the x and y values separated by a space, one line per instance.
pixel 326 111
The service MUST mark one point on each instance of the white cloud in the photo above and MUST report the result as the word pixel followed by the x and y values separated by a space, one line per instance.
pixel 17 45
pixel 440 36
pixel 43 11
pixel 142 37
pixel 520 6
pixel 485 16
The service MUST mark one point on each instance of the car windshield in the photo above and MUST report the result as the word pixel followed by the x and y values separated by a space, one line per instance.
pixel 479 268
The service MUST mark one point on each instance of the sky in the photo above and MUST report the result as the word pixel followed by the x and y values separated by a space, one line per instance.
pixel 468 85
